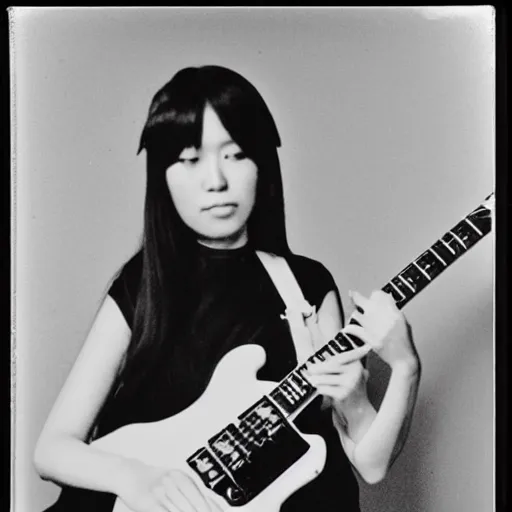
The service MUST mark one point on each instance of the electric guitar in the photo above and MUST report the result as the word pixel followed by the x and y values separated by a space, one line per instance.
pixel 238 441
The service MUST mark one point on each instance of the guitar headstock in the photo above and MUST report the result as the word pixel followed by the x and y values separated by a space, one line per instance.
pixel 489 202
pixel 485 210
pixel 483 216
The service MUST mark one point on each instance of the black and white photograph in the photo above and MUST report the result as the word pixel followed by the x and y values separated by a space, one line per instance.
pixel 226 226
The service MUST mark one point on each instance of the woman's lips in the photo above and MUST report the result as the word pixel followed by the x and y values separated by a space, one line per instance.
pixel 222 210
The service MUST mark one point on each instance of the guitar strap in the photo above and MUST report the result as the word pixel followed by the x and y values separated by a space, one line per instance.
pixel 291 293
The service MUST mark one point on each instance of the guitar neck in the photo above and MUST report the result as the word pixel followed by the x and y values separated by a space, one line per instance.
pixel 294 391
pixel 450 247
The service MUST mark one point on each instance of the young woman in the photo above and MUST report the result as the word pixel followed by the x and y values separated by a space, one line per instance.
pixel 195 291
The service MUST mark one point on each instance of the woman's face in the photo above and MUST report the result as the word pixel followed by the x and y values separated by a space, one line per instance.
pixel 213 187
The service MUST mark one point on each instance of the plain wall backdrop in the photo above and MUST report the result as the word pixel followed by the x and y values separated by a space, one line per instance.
pixel 387 123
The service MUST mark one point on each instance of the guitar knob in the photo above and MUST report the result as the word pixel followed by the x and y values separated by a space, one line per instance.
pixel 234 494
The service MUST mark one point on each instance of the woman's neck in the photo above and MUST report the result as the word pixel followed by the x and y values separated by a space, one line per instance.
pixel 232 242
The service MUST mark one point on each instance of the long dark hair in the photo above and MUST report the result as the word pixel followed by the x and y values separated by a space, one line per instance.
pixel 174 122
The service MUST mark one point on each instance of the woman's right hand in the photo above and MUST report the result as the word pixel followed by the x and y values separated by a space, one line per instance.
pixel 152 489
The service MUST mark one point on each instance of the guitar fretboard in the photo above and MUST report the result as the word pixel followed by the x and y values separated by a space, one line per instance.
pixel 295 390
pixel 451 246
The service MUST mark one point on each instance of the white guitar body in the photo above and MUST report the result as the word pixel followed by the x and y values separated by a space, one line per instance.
pixel 232 389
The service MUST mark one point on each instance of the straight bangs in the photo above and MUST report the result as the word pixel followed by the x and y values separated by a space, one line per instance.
pixel 248 126
pixel 174 132
pixel 175 122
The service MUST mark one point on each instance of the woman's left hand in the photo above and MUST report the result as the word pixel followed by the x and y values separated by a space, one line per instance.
pixel 340 377
pixel 384 327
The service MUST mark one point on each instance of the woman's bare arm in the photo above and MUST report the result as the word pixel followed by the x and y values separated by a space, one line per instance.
pixel 371 439
pixel 61 454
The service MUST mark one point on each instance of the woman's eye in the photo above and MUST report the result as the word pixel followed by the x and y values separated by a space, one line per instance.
pixel 237 155
pixel 189 155
pixel 191 160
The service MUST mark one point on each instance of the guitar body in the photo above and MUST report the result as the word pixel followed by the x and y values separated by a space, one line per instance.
pixel 170 442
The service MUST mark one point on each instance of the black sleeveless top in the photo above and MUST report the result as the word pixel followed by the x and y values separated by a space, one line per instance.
pixel 236 303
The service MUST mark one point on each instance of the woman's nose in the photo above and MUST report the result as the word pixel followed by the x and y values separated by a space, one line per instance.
pixel 215 178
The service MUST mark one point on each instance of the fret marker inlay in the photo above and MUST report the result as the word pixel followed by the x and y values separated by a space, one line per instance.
pixel 461 242
pixel 447 246
pixel 422 271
